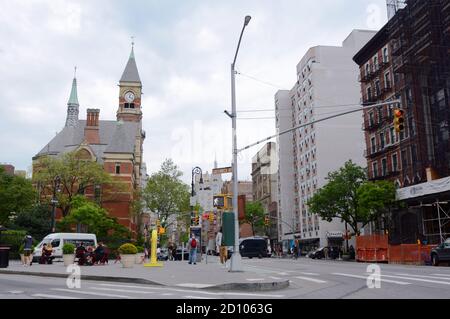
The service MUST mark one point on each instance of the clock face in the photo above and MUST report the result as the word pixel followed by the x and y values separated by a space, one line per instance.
pixel 129 97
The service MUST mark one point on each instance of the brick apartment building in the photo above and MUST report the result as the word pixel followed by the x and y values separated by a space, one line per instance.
pixel 115 144
pixel 408 59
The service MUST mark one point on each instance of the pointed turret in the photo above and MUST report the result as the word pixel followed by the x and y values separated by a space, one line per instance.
pixel 131 73
pixel 73 106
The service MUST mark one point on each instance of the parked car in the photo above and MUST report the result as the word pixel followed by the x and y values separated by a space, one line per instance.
pixel 57 240
pixel 317 254
pixel 179 254
pixel 253 247
pixel 163 255
pixel 441 253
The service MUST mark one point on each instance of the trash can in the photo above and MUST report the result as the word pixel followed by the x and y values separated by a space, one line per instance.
pixel 4 257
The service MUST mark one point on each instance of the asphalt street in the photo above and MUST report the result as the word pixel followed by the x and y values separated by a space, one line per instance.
pixel 318 279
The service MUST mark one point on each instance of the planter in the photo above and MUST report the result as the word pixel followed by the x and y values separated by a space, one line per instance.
pixel 140 258
pixel 128 260
pixel 69 259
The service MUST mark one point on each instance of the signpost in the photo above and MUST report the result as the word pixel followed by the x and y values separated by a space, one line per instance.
pixel 223 170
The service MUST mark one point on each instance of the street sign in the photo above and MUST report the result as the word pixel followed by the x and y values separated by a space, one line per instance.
pixel 218 201
pixel 223 170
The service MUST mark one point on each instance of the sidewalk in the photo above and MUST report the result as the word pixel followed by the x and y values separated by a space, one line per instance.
pixel 174 273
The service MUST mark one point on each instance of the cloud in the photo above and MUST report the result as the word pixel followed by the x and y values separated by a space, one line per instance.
pixel 183 49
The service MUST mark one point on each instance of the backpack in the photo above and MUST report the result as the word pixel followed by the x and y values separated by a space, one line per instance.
pixel 193 243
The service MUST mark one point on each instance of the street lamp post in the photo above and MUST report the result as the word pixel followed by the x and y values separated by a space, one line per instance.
pixel 56 183
pixel 236 260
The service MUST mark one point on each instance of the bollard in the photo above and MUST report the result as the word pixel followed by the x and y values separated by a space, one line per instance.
pixel 153 258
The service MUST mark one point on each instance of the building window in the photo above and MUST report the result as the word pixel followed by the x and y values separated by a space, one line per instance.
pixel 385 55
pixel 380 115
pixel 382 141
pixel 375 63
pixel 404 160
pixel 387 80
pixel 367 69
pixel 377 88
pixel 375 169
pixel 129 105
pixel 392 135
pixel 394 163
pixel 384 166
pixel 117 168
pixel 373 144
pixel 371 119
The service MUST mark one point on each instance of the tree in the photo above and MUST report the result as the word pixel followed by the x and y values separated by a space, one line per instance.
pixel 76 175
pixel 165 193
pixel 349 196
pixel 36 221
pixel 16 195
pixel 254 215
pixel 93 217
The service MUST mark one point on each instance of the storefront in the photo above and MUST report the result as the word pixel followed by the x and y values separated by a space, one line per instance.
pixel 335 239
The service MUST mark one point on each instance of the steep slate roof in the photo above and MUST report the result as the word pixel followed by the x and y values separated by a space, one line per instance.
pixel 131 73
pixel 115 137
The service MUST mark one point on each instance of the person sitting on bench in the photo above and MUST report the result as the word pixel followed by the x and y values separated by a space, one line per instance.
pixel 80 253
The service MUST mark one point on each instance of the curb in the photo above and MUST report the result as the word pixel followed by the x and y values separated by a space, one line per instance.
pixel 262 286
pixel 85 277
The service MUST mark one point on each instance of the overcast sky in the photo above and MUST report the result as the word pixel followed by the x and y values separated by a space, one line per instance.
pixel 183 51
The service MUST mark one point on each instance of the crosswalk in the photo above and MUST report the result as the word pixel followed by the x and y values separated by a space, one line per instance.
pixel 315 278
pixel 124 291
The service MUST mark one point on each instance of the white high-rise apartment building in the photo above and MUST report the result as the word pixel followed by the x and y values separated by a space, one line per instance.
pixel 327 84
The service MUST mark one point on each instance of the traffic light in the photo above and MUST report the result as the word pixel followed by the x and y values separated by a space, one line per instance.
pixel 158 223
pixel 161 230
pixel 399 120
pixel 267 221
pixel 211 217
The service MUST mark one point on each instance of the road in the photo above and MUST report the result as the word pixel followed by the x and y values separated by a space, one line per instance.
pixel 318 279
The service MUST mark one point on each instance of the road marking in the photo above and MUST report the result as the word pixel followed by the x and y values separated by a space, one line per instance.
pixel 276 278
pixel 91 293
pixel 167 294
pixel 197 292
pixel 365 278
pixel 311 279
pixel 424 276
pixel 189 285
pixel 283 273
pixel 418 279
pixel 54 296
pixel 123 290
pixel 255 279
pixel 440 275
pixel 309 274
pixel 16 292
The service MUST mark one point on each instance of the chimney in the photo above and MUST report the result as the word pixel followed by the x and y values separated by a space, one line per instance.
pixel 91 131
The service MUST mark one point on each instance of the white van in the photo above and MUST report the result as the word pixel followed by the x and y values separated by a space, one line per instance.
pixel 57 240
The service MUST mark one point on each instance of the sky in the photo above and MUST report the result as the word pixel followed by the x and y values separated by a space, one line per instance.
pixel 183 50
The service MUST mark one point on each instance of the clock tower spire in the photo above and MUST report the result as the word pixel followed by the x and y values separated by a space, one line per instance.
pixel 130 92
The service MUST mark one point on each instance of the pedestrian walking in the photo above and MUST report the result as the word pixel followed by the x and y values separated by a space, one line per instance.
pixel 192 244
pixel 27 250
pixel 220 247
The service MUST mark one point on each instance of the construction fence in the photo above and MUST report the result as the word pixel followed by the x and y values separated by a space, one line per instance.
pixel 376 248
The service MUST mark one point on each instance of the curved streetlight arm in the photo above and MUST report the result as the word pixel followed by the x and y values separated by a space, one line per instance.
pixel 247 20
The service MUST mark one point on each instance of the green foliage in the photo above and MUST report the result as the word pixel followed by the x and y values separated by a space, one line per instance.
pixel 349 196
pixel 16 195
pixel 165 193
pixel 36 221
pixel 128 249
pixel 92 216
pixel 68 249
pixel 140 249
pixel 12 239
pixel 254 215
pixel 76 176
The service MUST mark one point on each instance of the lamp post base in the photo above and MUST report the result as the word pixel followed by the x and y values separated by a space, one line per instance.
pixel 236 263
